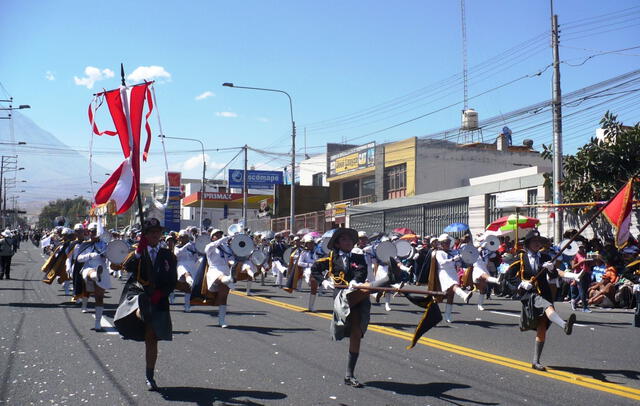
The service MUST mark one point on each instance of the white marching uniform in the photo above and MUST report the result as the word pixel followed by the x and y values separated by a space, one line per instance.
pixel 188 258
pixel 93 259
pixel 447 272
pixel 481 266
pixel 307 258
pixel 218 256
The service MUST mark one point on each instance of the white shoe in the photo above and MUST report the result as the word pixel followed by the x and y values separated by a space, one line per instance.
pixel 187 308
pixel 387 307
pixel 481 308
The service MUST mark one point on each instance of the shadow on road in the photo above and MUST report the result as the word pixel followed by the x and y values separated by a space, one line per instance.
pixel 209 397
pixel 487 324
pixel 600 374
pixel 434 389
pixel 270 331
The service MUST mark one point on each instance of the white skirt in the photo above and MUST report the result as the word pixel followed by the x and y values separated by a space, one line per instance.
pixel 213 274
pixel 477 274
pixel 448 278
pixel 104 282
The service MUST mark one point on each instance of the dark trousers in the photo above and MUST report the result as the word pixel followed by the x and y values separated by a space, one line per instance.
pixel 5 266
pixel 579 290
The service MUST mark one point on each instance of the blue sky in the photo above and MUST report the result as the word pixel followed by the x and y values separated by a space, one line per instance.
pixel 335 58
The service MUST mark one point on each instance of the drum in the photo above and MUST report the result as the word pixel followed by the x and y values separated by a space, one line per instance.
pixel 469 254
pixel 384 251
pixel 242 245
pixel 258 257
pixel 287 255
pixel 201 243
pixel 117 251
pixel 571 250
pixel 492 243
pixel 404 248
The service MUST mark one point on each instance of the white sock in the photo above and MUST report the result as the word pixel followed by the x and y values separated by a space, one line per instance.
pixel 222 313
pixel 85 301
pixel 461 293
pixel 447 313
pixel 172 297
pixel 480 301
pixel 66 288
pixel 492 279
pixel 187 299
pixel 98 316
pixel 312 302
pixel 248 288
pixel 556 319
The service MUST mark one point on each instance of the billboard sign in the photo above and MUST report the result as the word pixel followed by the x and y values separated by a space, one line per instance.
pixel 352 160
pixel 256 179
pixel 172 210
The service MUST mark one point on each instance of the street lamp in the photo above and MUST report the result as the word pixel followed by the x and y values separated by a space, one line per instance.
pixel 293 147
pixel 11 108
pixel 204 169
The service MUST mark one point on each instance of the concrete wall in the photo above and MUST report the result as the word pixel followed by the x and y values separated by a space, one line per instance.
pixel 403 152
pixel 311 166
pixel 442 165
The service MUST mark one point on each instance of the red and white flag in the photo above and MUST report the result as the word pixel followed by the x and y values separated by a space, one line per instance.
pixel 618 212
pixel 126 106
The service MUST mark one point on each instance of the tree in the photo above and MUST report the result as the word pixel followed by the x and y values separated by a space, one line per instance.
pixel 73 210
pixel 600 167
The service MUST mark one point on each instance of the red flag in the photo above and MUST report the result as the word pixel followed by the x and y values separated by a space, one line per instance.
pixel 126 106
pixel 618 212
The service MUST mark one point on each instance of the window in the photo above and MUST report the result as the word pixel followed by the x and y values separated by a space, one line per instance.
pixel 532 199
pixel 317 179
pixel 395 181
pixel 368 186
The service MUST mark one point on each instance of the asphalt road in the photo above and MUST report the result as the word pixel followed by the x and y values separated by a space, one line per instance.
pixel 274 353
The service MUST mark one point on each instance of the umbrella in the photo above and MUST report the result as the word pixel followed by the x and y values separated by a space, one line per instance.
pixel 508 223
pixel 456 228
pixel 410 237
pixel 304 231
pixel 315 234
pixel 403 230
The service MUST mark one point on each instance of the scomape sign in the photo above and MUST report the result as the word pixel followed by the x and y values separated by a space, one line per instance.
pixel 255 179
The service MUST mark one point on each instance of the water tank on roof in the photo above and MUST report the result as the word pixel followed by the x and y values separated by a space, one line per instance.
pixel 469 119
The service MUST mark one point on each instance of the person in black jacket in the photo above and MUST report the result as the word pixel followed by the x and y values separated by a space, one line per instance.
pixel 536 299
pixel 145 298
pixel 352 308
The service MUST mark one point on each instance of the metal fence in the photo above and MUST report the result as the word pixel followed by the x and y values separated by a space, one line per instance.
pixel 315 221
pixel 425 219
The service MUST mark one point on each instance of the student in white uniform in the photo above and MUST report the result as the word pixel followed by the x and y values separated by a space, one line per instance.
pixel 188 258
pixel 481 276
pixel 307 259
pixel 448 275
pixel 95 272
pixel 218 278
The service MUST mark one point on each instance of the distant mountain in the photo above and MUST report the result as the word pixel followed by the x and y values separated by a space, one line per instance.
pixel 52 169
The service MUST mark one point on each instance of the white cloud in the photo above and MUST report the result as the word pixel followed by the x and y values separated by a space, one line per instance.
pixel 93 75
pixel 194 162
pixel 263 119
pixel 226 114
pixel 205 95
pixel 149 73
pixel 49 75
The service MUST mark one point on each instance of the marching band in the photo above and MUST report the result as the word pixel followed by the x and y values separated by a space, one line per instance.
pixel 355 266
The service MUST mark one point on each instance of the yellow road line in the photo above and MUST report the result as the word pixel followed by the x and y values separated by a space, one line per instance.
pixel 568 377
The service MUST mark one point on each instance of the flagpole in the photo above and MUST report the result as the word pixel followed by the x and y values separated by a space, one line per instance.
pixel 123 93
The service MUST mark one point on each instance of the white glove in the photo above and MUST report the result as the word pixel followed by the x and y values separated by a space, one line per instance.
pixel 457 258
pixel 549 266
pixel 327 284
pixel 525 285
pixel 353 284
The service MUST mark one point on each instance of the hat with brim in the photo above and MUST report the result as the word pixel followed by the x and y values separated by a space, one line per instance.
pixel 353 234
pixel 152 224
pixel 533 235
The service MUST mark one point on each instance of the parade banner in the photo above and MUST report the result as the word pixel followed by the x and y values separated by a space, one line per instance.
pixel 172 210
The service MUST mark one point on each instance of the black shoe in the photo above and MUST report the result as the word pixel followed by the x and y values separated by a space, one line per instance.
pixel 568 328
pixel 538 367
pixel 466 301
pixel 151 385
pixel 351 381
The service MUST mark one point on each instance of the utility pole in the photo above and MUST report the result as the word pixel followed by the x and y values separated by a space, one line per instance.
pixel 244 191
pixel 557 131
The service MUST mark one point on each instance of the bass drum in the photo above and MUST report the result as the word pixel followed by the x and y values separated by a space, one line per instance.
pixel 384 251
pixel 117 251
pixel 201 243
pixel 242 245
pixel 404 248
pixel 469 254
pixel 492 243
pixel 571 250
pixel 287 256
pixel 258 257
